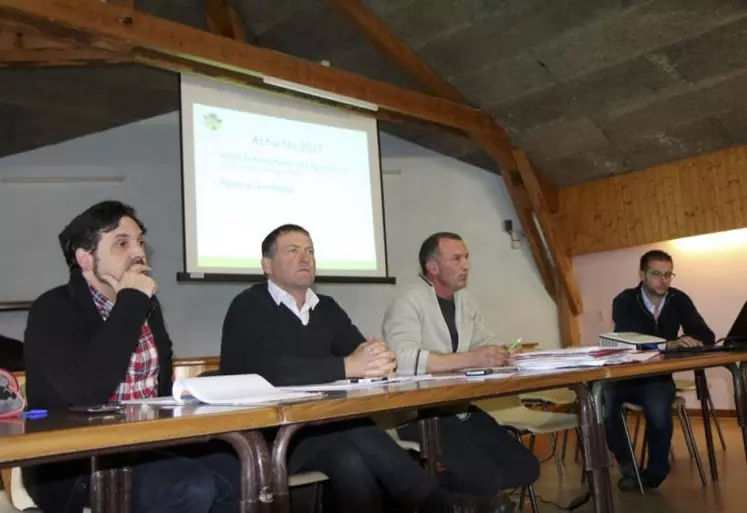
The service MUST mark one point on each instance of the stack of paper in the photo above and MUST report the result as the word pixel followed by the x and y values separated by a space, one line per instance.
pixel 235 390
pixel 593 356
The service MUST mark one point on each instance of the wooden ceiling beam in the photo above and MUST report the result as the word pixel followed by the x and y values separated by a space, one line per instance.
pixel 223 20
pixel 21 46
pixel 560 257
pixel 549 191
pixel 53 57
pixel 169 45
pixel 13 38
pixel 494 141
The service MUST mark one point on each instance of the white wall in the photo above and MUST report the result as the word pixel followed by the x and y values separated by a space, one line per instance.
pixel 431 193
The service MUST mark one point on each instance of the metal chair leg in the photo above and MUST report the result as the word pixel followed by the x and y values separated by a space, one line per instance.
pixel 565 446
pixel 522 496
pixel 623 418
pixel 555 455
pixel 683 425
pixel 712 410
pixel 533 499
pixel 694 444
pixel 554 444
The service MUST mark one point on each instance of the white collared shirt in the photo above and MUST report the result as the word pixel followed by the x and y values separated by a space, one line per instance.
pixel 650 305
pixel 281 296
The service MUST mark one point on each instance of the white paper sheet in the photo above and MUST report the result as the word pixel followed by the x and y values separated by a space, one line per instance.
pixel 240 389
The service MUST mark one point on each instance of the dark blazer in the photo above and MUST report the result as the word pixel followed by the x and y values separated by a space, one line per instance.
pixel 74 358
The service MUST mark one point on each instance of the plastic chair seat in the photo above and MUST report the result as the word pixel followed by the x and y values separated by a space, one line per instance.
pixel 679 402
pixel 306 478
pixel 557 396
pixel 685 385
pixel 538 422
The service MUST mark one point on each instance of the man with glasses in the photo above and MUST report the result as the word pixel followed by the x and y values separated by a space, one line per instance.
pixel 652 308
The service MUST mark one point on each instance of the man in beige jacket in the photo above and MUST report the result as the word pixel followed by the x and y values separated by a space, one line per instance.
pixel 435 326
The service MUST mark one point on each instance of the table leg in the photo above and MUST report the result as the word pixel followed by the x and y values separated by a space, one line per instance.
pixel 125 489
pixel 429 442
pixel 280 467
pixel 701 386
pixel 252 451
pixel 740 397
pixel 595 451
pixel 99 480
pixel 112 491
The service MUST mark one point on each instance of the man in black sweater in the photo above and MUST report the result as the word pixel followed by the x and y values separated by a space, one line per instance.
pixel 288 334
pixel 101 338
pixel 653 308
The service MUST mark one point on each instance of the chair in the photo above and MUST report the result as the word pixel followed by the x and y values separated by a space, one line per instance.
pixel 19 498
pixel 511 413
pixel 679 406
pixel 685 385
pixel 556 397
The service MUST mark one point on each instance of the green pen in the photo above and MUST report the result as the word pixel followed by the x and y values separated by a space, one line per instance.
pixel 513 346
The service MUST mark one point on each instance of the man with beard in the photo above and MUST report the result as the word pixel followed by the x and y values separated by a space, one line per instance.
pixel 436 326
pixel 652 308
pixel 101 338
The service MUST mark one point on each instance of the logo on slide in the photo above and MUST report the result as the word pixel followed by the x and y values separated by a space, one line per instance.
pixel 212 122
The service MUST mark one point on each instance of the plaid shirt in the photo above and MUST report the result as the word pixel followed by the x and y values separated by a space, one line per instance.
pixel 141 380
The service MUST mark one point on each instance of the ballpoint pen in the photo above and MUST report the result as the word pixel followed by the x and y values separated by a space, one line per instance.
pixel 34 414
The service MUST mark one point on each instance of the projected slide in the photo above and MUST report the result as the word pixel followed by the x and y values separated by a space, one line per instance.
pixel 254 172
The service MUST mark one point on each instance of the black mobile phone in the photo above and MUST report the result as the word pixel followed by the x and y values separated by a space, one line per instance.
pixel 97 408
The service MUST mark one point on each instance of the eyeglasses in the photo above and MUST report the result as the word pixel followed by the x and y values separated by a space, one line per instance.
pixel 658 274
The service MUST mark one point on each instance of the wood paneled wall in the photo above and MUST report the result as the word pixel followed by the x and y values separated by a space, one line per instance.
pixel 699 195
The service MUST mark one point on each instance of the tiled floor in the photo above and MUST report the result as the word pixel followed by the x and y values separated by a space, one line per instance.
pixel 682 492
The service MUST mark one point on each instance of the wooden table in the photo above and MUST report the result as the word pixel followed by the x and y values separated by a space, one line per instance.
pixel 264 479
pixel 585 382
pixel 64 436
